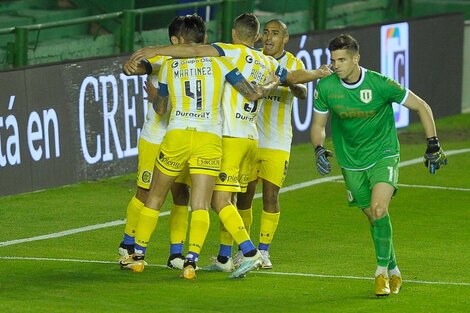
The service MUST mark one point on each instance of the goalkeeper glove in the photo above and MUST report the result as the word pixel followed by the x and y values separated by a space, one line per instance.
pixel 321 156
pixel 434 156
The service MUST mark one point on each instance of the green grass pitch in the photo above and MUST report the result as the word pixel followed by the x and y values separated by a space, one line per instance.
pixel 322 254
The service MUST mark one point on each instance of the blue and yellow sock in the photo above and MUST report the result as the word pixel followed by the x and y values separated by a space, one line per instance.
pixel 178 228
pixel 226 243
pixel 268 226
pixel 247 217
pixel 132 218
pixel 198 230
pixel 234 225
pixel 147 223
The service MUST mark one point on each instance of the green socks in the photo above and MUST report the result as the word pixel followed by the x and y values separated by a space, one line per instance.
pixel 382 235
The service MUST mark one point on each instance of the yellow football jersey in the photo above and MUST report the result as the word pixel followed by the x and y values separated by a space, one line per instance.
pixel 154 127
pixel 241 114
pixel 274 122
pixel 195 89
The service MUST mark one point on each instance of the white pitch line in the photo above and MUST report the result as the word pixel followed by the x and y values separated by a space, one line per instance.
pixel 257 272
pixel 435 187
pixel 361 278
pixel 69 232
pixel 258 195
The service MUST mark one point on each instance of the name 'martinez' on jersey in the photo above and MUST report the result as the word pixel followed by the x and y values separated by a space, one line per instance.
pixel 195 88
pixel 186 72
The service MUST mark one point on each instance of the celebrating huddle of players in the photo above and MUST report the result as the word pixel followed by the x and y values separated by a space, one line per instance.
pixel 219 121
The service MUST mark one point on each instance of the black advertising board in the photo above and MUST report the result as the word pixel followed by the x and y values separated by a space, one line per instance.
pixel 78 121
pixel 65 123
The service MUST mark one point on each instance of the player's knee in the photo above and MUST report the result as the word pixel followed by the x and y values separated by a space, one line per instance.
pixel 368 213
pixel 218 203
pixel 181 195
pixel 142 194
pixel 271 202
pixel 271 207
pixel 154 203
pixel 200 204
pixel 379 210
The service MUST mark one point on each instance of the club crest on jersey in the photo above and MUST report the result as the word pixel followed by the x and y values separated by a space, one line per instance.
pixel 222 176
pixel 146 177
pixel 366 95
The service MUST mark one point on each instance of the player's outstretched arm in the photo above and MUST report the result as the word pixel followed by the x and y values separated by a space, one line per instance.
pixel 434 156
pixel 144 53
pixel 176 51
pixel 305 76
pixel 132 67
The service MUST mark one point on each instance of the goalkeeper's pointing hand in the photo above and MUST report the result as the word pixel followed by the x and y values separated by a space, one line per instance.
pixel 434 156
pixel 321 156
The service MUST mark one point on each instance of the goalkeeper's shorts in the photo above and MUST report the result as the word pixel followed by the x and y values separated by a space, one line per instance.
pixel 359 184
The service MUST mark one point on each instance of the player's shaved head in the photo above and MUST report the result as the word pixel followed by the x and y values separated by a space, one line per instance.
pixel 278 22
pixel 247 26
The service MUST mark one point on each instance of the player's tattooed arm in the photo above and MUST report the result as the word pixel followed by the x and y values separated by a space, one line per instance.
pixel 255 92
pixel 160 105
pixel 247 89
pixel 159 102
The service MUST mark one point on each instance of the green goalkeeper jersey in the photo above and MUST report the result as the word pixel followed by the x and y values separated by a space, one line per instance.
pixel 362 118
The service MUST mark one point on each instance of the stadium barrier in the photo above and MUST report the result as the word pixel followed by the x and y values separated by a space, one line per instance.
pixel 79 121
pixel 466 69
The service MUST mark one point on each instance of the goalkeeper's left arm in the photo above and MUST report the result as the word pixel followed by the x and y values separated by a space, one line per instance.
pixel 434 156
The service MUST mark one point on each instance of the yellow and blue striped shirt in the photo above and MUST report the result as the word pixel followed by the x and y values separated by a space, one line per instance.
pixel 274 122
pixel 240 114
pixel 154 128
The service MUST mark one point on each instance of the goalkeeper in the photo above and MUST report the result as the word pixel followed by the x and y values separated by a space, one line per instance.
pixel 366 144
